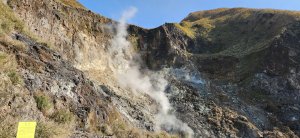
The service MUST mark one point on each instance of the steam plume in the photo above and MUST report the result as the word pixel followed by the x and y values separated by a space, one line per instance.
pixel 125 63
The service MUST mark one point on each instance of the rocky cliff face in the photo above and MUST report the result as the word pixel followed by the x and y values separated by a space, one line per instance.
pixel 230 72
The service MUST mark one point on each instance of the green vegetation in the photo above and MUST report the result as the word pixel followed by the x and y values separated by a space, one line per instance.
pixel 237 32
pixel 8 21
pixel 3 61
pixel 14 78
pixel 43 102
pixel 8 66
pixel 186 28
pixel 62 116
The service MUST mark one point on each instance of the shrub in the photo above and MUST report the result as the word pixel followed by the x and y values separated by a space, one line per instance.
pixel 43 102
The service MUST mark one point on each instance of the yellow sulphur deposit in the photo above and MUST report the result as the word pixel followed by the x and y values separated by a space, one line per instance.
pixel 26 129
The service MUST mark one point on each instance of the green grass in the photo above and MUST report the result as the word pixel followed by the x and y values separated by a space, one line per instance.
pixel 14 78
pixel 186 29
pixel 237 32
pixel 8 21
pixel 8 65
pixel 43 102
pixel 3 57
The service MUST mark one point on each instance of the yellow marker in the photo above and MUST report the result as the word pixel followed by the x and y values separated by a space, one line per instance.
pixel 26 129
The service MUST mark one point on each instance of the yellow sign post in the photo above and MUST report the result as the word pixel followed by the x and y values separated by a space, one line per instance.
pixel 26 129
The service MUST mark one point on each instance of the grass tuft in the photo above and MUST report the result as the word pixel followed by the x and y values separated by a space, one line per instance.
pixel 63 116
pixel 51 129
pixel 43 102
pixel 14 78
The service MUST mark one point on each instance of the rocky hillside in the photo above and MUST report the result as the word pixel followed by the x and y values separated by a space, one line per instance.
pixel 229 72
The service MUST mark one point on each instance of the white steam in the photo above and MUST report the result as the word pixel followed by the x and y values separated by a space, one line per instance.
pixel 126 66
pixel 187 75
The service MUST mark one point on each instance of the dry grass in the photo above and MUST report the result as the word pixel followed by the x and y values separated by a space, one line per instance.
pixel 14 77
pixel 7 62
pixel 9 23
pixel 51 129
pixel 9 42
pixel 9 88
pixel 8 20
pixel 8 79
pixel 8 127
pixel 122 129
pixel 63 116
pixel 217 13
pixel 8 66
pixel 72 3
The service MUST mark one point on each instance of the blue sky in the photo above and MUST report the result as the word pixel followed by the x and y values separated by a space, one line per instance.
pixel 152 13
